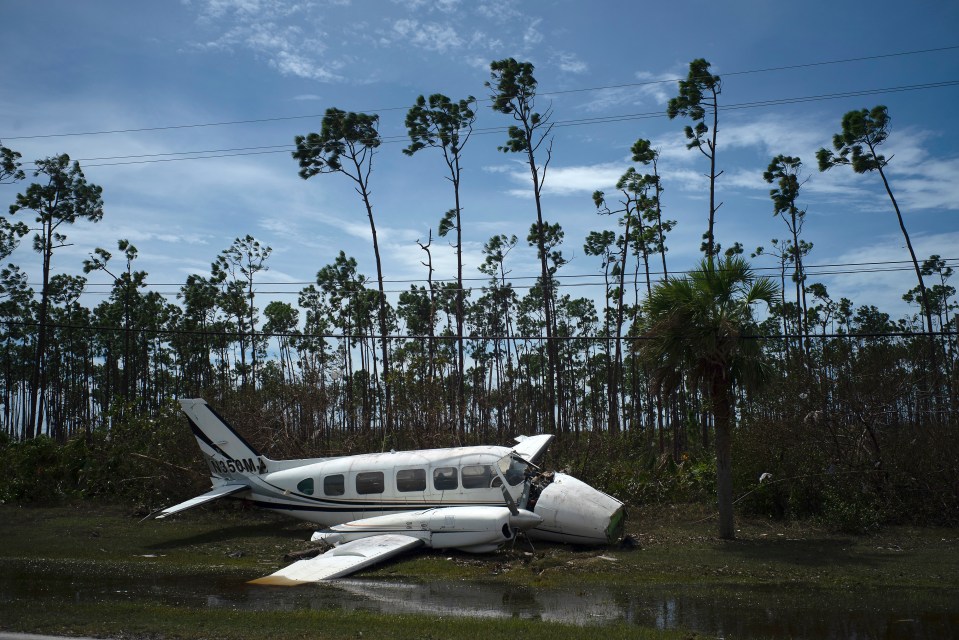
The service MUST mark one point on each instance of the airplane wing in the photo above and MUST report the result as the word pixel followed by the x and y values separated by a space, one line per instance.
pixel 209 496
pixel 342 560
pixel 531 448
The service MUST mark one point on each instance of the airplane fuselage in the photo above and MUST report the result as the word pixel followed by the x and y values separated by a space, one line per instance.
pixel 376 505
pixel 331 491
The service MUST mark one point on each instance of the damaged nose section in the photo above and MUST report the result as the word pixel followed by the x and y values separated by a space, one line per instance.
pixel 575 513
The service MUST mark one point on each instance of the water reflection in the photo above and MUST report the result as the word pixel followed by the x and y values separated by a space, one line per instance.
pixel 737 613
pixel 771 612
pixel 444 598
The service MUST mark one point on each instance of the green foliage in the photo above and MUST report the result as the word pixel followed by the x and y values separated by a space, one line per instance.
pixel 10 170
pixel 697 324
pixel 447 223
pixel 514 93
pixel 693 91
pixel 444 124
pixel 513 84
pixel 627 466
pixel 10 234
pixel 863 128
pixel 784 170
pixel 850 511
pixel 147 461
pixel 65 197
pixel 342 134
pixel 39 470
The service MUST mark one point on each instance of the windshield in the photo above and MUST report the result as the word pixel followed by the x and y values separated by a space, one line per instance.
pixel 513 469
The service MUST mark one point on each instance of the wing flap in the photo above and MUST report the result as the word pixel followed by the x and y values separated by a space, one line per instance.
pixel 209 496
pixel 531 448
pixel 342 560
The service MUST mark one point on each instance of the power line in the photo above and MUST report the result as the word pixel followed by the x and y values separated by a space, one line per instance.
pixel 575 122
pixel 762 70
pixel 484 100
pixel 474 338
pixel 561 282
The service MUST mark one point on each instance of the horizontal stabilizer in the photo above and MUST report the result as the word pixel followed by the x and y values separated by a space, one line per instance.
pixel 532 448
pixel 209 496
pixel 342 560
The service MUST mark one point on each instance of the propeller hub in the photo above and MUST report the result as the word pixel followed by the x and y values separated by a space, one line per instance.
pixel 523 520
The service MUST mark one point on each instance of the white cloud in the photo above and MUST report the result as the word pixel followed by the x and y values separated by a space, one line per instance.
pixel 447 6
pixel 532 36
pixel 659 86
pixel 478 62
pixel 653 89
pixel 502 168
pixel 605 99
pixel 931 185
pixel 885 289
pixel 267 28
pixel 687 181
pixel 566 181
pixel 570 63
pixel 443 6
pixel 918 181
pixel 499 10
pixel 743 179
pixel 431 36
pixel 773 135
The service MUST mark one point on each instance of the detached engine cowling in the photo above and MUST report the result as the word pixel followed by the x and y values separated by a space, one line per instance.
pixel 575 513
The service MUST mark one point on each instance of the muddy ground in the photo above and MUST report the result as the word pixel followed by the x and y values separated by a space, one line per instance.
pixel 95 569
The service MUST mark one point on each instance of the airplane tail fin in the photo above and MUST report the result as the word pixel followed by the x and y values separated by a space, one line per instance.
pixel 228 455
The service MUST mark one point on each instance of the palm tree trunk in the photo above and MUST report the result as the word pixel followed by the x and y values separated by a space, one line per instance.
pixel 722 412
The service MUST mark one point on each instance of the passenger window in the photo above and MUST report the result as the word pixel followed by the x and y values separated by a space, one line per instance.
pixel 305 486
pixel 411 480
pixel 444 479
pixel 334 485
pixel 369 482
pixel 477 476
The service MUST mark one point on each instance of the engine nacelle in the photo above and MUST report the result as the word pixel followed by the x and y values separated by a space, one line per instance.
pixel 575 513
pixel 474 529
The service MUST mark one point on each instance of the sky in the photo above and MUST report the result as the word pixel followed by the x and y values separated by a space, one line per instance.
pixel 162 78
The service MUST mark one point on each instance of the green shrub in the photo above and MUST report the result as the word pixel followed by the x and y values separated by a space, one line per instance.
pixel 145 460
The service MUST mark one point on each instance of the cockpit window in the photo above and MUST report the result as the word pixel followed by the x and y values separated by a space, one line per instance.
pixel 516 472
pixel 444 479
pixel 305 486
pixel 478 476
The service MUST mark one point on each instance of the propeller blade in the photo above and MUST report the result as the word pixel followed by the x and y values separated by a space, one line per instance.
pixel 510 503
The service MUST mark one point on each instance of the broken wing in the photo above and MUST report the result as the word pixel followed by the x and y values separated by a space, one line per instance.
pixel 532 448
pixel 209 496
pixel 342 560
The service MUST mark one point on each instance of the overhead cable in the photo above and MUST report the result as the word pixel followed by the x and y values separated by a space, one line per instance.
pixel 557 92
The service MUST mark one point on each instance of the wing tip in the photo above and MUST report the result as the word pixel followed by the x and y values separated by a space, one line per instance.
pixel 276 581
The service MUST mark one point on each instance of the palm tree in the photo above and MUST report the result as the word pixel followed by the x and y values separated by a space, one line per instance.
pixel 701 326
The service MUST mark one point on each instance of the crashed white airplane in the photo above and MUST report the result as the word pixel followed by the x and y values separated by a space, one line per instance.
pixel 378 505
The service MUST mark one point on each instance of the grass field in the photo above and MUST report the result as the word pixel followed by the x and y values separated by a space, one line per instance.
pixel 94 569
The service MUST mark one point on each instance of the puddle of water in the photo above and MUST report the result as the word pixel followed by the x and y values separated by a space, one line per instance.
pixel 733 613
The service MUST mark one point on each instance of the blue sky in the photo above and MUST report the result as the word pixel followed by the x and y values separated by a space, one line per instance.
pixel 74 67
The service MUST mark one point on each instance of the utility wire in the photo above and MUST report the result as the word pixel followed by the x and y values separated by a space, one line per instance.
pixel 592 275
pixel 576 122
pixel 343 336
pixel 559 281
pixel 484 100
